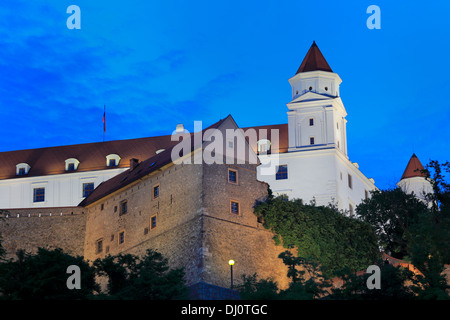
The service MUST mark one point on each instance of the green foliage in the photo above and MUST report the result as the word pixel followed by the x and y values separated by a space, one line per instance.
pixel 321 234
pixel 257 289
pixel 145 278
pixel 43 276
pixel 394 285
pixel 391 213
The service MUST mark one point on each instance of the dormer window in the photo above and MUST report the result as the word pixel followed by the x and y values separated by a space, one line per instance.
pixel 112 160
pixel 263 145
pixel 22 169
pixel 72 164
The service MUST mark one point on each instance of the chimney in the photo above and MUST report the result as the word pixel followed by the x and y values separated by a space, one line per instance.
pixel 133 163
pixel 180 128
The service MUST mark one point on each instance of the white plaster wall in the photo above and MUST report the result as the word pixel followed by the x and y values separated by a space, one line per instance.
pixel 60 190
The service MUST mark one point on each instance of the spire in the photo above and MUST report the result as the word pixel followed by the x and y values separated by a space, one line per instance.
pixel 314 61
pixel 413 169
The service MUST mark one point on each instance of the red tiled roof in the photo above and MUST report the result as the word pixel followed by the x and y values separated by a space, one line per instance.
pixel 92 156
pixel 413 169
pixel 314 61
pixel 140 170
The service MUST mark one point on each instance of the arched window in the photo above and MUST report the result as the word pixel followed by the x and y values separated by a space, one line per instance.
pixel 112 160
pixel 263 145
pixel 22 169
pixel 72 164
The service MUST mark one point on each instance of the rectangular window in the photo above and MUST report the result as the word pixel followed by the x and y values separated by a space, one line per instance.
pixel 234 207
pixel 99 246
pixel 282 172
pixel 112 162
pixel 153 222
pixel 71 167
pixel 121 237
pixel 366 194
pixel 38 194
pixel 350 208
pixel 232 176
pixel 156 191
pixel 311 121
pixel 21 172
pixel 350 184
pixel 123 207
pixel 311 140
pixel 87 189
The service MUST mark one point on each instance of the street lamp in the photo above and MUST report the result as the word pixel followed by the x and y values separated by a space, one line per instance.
pixel 231 263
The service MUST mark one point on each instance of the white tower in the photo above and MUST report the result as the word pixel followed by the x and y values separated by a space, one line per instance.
pixel 316 115
pixel 316 165
pixel 414 181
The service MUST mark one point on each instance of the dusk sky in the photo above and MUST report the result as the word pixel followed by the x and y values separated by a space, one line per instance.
pixel 154 64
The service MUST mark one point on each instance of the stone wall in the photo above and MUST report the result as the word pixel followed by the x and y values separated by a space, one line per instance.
pixel 48 228
pixel 237 236
pixel 178 208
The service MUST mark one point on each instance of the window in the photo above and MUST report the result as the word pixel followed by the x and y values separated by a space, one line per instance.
pixel 112 160
pixel 366 194
pixel 310 88
pixel 72 164
pixel 38 194
pixel 326 88
pixel 311 121
pixel 121 237
pixel 311 140
pixel 232 176
pixel 153 222
pixel 282 172
pixel 234 207
pixel 123 207
pixel 99 246
pixel 350 184
pixel 102 206
pixel 22 169
pixel 87 189
pixel 350 209
pixel 263 145
pixel 156 191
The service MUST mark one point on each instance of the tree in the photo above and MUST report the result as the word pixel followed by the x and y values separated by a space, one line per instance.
pixel 394 285
pixel 391 213
pixel 321 234
pixel 146 278
pixel 44 276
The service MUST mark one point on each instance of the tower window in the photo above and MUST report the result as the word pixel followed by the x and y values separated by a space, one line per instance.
pixel 311 121
pixel 123 207
pixel 282 173
pixel 311 140
pixel 326 88
pixel 99 246
pixel 350 183
pixel 121 237
pixel 350 209
pixel 310 88
pixel 153 222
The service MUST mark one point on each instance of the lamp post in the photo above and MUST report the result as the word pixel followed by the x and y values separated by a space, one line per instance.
pixel 231 263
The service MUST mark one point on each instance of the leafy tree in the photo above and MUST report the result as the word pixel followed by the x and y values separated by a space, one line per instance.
pixel 145 278
pixel 321 234
pixel 394 285
pixel 391 213
pixel 257 289
pixel 44 276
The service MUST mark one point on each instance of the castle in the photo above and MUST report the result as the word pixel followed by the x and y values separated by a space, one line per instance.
pixel 127 196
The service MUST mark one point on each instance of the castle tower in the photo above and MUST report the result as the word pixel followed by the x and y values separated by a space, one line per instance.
pixel 316 166
pixel 414 181
pixel 316 115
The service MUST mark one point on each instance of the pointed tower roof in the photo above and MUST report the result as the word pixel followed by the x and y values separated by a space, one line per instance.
pixel 314 61
pixel 413 169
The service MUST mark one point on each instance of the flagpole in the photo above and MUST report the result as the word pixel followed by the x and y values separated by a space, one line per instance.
pixel 104 122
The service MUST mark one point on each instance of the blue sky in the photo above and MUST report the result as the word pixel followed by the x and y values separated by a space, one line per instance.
pixel 158 63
